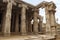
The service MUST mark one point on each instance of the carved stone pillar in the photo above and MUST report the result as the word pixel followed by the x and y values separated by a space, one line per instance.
pixel 40 23
pixel 53 22
pixel 48 26
pixel 35 23
pixel 52 18
pixel 7 22
pixel 50 15
pixel 29 26
pixel 23 20
pixel 17 23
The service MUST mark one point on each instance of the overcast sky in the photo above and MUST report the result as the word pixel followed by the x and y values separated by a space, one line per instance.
pixel 42 13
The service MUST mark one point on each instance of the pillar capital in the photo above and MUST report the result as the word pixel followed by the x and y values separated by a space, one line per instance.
pixel 36 10
pixel 23 5
pixel 52 11
pixel 9 1
pixel 51 6
pixel 19 5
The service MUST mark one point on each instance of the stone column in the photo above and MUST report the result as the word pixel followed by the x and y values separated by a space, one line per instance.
pixel 53 22
pixel 35 23
pixel 12 24
pixel 29 27
pixel 40 23
pixel 52 18
pixel 23 20
pixel 51 9
pixel 48 26
pixel 17 23
pixel 7 21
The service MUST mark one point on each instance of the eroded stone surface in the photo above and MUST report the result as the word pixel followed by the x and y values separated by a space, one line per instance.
pixel 29 37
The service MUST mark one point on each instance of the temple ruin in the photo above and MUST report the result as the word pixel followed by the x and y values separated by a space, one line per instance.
pixel 16 17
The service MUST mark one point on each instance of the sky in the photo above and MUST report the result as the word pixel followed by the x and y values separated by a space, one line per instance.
pixel 42 11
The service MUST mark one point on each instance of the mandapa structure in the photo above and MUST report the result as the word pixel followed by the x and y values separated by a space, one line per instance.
pixel 16 17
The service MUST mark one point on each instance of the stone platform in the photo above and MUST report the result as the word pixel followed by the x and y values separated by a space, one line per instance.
pixel 28 37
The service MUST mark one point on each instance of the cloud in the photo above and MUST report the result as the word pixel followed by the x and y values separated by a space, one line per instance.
pixel 50 0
